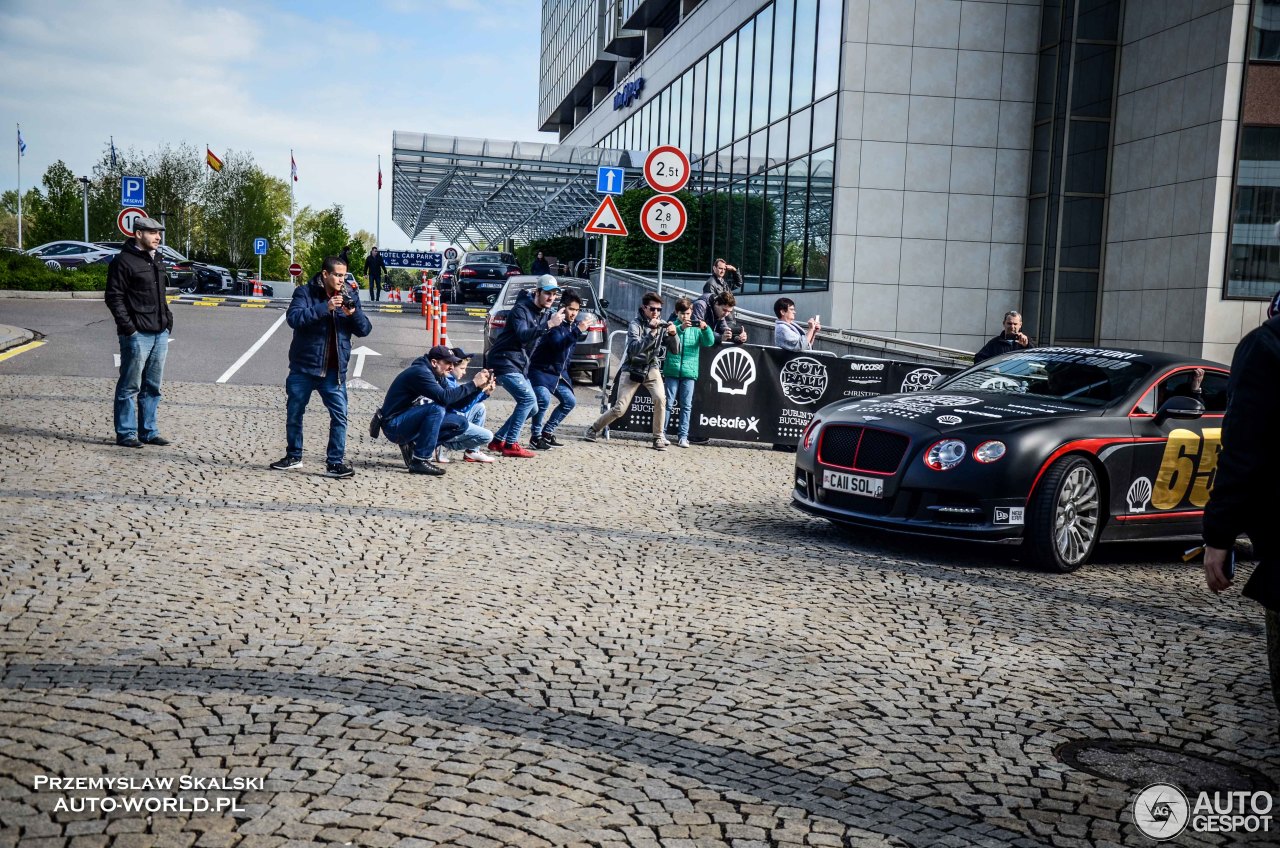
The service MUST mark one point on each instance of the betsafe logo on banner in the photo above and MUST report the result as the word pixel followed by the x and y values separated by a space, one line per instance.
pixel 733 371
pixel 1162 811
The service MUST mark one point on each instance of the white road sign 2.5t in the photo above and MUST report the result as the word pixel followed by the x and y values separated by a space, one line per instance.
pixel 666 169
pixel 663 218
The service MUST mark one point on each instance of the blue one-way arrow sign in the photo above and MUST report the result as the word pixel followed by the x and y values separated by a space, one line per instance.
pixel 609 180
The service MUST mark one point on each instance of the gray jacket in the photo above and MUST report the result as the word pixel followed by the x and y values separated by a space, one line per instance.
pixel 652 343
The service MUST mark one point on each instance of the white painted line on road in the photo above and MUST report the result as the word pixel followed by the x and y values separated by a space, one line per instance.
pixel 360 353
pixel 248 354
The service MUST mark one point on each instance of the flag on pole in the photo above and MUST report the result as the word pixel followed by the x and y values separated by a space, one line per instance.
pixel 293 167
pixel 113 151
pixel 211 160
pixel 379 176
pixel 22 145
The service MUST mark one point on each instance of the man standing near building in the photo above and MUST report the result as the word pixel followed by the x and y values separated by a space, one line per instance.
pixel 724 277
pixel 1248 467
pixel 324 315
pixel 373 267
pixel 1010 339
pixel 648 340
pixel 135 295
pixel 527 322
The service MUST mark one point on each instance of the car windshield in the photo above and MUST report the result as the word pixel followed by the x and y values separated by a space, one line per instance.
pixel 485 258
pixel 588 296
pixel 1087 377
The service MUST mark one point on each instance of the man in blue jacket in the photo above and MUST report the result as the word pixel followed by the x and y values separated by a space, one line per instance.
pixel 324 316
pixel 418 428
pixel 527 322
pixel 549 374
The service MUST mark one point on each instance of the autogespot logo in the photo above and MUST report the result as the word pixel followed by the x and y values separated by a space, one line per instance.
pixel 1161 811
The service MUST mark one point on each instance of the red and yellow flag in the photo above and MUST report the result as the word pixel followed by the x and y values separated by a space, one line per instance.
pixel 211 160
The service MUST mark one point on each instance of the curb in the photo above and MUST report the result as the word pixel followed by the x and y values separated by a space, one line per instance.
pixel 51 295
pixel 11 337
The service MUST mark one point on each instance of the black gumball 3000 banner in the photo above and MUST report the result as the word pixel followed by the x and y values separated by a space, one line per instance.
pixel 767 394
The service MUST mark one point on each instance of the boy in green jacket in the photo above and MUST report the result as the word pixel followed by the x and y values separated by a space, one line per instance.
pixel 680 368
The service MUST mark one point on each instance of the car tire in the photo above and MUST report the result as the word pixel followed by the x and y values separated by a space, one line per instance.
pixel 188 287
pixel 52 265
pixel 1064 517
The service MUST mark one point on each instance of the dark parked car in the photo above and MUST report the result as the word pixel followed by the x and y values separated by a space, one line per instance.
pixel 190 276
pixel 588 356
pixel 1053 448
pixel 483 272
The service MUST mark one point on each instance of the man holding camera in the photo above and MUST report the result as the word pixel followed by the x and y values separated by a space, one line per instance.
pixel 717 311
pixel 1010 339
pixel 533 316
pixel 324 315
pixel 648 340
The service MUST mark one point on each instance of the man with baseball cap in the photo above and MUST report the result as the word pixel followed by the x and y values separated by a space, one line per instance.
pixel 527 322
pixel 135 294
pixel 419 427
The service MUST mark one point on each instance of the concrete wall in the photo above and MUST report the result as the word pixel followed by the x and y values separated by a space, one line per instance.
pixel 932 167
pixel 1177 110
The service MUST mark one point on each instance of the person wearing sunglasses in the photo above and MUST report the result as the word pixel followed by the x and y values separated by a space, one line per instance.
pixel 648 340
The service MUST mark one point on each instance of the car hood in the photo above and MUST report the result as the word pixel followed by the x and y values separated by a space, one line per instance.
pixel 943 412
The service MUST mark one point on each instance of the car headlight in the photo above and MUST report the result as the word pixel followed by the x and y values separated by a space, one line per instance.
pixel 988 452
pixel 810 432
pixel 945 455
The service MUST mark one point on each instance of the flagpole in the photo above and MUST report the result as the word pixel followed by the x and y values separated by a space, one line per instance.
pixel 293 236
pixel 19 126
pixel 377 234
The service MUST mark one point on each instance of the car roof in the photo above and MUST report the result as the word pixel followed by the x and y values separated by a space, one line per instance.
pixel 1157 359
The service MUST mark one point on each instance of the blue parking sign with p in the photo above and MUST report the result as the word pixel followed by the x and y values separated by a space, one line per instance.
pixel 133 191
pixel 259 247
pixel 609 180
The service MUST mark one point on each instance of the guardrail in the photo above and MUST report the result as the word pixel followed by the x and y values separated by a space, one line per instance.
pixel 625 289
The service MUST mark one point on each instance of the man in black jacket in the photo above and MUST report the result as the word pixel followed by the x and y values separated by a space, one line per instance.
pixel 324 315
pixel 135 295
pixel 1244 485
pixel 1011 339
pixel 418 428
pixel 528 321
pixel 724 278
pixel 373 266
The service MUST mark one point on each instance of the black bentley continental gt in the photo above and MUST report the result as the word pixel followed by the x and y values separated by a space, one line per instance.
pixel 1056 448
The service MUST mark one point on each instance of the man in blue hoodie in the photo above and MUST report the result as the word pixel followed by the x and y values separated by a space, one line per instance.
pixel 527 322
pixel 418 428
pixel 324 315
pixel 549 374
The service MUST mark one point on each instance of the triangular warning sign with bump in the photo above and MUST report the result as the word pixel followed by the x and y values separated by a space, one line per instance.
pixel 606 221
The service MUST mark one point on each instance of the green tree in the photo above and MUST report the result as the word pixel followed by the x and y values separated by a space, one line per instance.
pixel 242 203
pixel 326 236
pixel 57 213
pixel 639 251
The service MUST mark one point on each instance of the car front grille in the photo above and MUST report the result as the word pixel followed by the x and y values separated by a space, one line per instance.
pixel 862 448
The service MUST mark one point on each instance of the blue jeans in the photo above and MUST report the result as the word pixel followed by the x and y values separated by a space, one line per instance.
pixel 298 389
pixel 526 404
pixel 567 403
pixel 683 388
pixel 418 427
pixel 138 389
pixel 471 437
pixel 477 414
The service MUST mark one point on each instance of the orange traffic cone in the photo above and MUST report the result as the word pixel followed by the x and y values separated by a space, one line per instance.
pixel 257 288
pixel 444 324
pixel 435 311
pixel 394 295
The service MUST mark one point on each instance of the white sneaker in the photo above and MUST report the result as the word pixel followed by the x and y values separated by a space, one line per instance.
pixel 683 443
pixel 441 456
pixel 661 442
pixel 477 455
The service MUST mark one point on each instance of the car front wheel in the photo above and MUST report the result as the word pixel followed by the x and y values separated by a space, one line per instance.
pixel 1064 517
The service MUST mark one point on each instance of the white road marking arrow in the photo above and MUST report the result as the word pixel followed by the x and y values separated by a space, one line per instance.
pixel 360 353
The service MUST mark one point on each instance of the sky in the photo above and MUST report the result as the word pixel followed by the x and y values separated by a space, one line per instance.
pixel 329 79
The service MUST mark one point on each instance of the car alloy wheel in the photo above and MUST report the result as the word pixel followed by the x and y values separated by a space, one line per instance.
pixel 1064 518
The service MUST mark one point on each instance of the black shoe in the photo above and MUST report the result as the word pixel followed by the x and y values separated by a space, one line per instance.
pixel 159 441
pixel 539 444
pixel 131 442
pixel 407 452
pixel 550 438
pixel 339 471
pixel 425 466
pixel 287 463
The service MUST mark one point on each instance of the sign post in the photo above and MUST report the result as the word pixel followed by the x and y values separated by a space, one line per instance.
pixel 605 222
pixel 295 270
pixel 260 248
pixel 663 217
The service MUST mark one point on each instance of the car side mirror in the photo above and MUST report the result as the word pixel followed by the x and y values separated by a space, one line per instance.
pixel 491 299
pixel 604 303
pixel 1179 408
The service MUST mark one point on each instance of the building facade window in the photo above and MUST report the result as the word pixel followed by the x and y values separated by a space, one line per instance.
pixel 1253 264
pixel 757 115
pixel 1067 205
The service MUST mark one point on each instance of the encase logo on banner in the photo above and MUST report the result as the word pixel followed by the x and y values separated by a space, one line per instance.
pixel 803 380
pixel 920 380
pixel 1162 811
pixel 733 371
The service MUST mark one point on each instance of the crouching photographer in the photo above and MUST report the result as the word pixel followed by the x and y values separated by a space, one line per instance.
pixel 648 340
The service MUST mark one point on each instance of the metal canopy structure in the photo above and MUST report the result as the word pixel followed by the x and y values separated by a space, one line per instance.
pixel 473 190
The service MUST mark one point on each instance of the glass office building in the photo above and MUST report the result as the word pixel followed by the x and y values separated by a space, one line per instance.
pixel 915 168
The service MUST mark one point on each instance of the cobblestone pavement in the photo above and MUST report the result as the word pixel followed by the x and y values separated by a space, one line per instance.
pixel 604 646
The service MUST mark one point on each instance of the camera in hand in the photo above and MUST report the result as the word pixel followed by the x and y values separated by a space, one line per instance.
pixel 348 300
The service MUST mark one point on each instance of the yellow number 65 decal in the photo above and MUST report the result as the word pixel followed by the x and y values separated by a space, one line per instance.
pixel 1188 464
